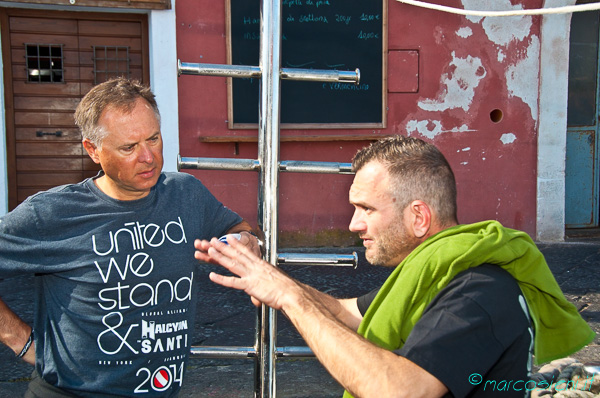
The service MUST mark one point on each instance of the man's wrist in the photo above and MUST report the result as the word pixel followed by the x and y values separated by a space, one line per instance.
pixel 27 345
pixel 260 242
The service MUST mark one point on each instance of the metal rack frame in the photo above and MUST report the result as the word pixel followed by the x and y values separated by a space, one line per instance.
pixel 265 351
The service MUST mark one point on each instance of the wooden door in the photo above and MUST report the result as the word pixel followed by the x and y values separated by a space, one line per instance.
pixel 51 59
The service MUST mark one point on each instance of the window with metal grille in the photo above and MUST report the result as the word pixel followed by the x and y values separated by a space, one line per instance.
pixel 109 62
pixel 44 63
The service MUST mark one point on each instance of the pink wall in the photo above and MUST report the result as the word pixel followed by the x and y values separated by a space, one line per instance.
pixel 447 74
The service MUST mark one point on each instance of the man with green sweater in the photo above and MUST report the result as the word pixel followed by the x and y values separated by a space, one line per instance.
pixel 464 312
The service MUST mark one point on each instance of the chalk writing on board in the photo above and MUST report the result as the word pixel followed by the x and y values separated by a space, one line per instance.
pixel 316 34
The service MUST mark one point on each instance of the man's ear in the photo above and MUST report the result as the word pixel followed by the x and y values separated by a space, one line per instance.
pixel 92 150
pixel 421 218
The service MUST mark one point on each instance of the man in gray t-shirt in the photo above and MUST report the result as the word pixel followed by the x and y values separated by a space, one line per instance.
pixel 114 259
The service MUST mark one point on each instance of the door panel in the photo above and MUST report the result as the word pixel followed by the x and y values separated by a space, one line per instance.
pixel 31 134
pixel 43 89
pixel 42 180
pixel 108 28
pixel 46 25
pixel 49 149
pixel 580 183
pixel 47 103
pixel 43 119
pixel 54 163
pixel 68 89
pixel 581 168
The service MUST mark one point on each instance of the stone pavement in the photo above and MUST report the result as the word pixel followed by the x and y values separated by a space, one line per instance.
pixel 226 317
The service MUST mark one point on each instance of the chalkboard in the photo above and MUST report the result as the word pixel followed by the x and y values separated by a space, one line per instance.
pixel 316 34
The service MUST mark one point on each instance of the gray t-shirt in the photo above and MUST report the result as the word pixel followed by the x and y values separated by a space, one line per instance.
pixel 114 287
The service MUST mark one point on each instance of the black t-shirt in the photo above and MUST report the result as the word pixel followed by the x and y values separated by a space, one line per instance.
pixel 475 336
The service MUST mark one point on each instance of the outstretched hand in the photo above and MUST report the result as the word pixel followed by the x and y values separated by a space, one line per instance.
pixel 264 282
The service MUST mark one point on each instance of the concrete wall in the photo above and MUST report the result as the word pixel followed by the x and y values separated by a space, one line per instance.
pixel 552 138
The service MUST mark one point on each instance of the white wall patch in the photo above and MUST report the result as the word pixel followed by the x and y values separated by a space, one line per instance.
pixel 522 78
pixel 501 30
pixel 460 82
pixel 464 32
pixel 508 138
pixel 432 128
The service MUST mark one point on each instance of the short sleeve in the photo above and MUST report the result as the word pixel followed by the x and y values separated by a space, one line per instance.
pixel 474 330
pixel 19 241
pixel 363 302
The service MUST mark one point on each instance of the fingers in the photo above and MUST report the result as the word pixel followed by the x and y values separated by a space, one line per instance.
pixel 256 302
pixel 201 252
pixel 227 281
pixel 244 250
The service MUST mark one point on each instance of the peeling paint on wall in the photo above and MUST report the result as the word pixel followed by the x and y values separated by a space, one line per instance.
pixel 501 56
pixel 431 128
pixel 508 138
pixel 500 30
pixel 460 82
pixel 522 79
pixel 464 32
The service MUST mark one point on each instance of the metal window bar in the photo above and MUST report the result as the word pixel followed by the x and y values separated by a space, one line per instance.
pixel 44 63
pixel 102 56
pixel 265 351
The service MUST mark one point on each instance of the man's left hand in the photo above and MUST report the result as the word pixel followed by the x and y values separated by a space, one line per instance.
pixel 251 242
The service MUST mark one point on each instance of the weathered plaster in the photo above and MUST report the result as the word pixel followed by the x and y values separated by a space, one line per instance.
pixel 501 56
pixel 460 82
pixel 522 78
pixel 464 32
pixel 508 138
pixel 432 128
pixel 552 131
pixel 500 30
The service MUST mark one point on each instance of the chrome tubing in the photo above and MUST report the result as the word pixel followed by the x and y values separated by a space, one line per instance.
pixel 268 203
pixel 217 164
pixel 290 166
pixel 300 166
pixel 332 260
pixel 241 71
pixel 222 352
pixel 321 75
pixel 247 71
pixel 295 352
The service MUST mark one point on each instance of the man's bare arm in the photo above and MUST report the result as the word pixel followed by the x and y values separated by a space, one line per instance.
pixel 14 333
pixel 361 367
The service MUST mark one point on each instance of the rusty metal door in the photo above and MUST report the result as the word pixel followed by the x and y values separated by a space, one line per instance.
pixel 581 174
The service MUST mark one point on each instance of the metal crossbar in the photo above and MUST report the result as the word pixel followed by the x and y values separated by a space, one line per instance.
pixel 290 166
pixel 265 351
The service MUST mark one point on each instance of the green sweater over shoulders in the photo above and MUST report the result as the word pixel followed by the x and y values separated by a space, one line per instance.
pixel 401 301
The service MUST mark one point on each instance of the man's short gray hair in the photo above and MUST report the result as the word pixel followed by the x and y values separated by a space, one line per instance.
pixel 119 93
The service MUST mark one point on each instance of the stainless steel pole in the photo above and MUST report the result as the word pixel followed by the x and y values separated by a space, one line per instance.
pixel 268 148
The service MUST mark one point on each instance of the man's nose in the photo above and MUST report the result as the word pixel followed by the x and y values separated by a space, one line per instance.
pixel 145 155
pixel 357 224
